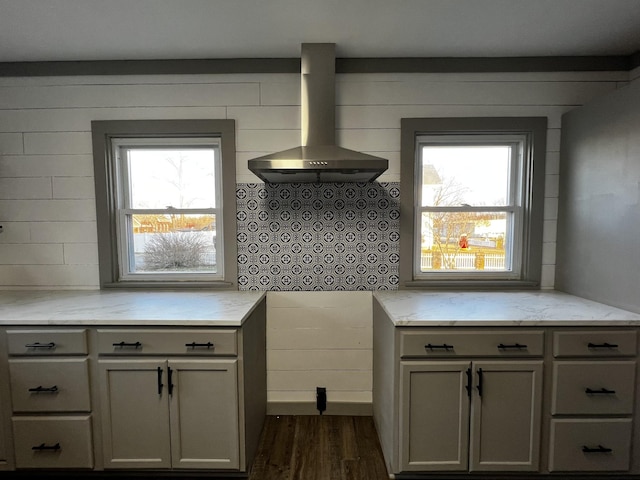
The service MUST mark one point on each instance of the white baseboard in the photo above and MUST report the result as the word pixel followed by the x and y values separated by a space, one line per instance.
pixel 309 408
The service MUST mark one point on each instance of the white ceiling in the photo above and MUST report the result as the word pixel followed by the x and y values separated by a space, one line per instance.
pixel 45 30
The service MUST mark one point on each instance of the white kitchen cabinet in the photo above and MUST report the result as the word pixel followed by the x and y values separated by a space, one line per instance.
pixel 50 398
pixel 470 415
pixel 180 413
pixel 183 398
pixel 593 400
pixel 86 395
pixel 458 399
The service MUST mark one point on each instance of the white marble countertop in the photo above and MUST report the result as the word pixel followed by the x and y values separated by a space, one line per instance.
pixel 118 307
pixel 534 308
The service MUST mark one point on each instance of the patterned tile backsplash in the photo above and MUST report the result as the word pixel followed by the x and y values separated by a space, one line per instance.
pixel 329 236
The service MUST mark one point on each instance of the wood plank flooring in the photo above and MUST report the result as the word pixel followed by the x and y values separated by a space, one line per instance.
pixel 320 447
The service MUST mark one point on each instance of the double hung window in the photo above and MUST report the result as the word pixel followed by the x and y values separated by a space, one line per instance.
pixel 163 210
pixel 476 208
pixel 168 206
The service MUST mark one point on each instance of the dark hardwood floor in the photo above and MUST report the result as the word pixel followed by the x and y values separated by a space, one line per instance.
pixel 320 447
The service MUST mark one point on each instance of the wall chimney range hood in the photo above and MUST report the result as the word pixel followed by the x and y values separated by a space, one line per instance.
pixel 318 159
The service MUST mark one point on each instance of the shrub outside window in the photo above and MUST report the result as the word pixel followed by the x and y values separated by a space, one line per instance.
pixel 476 210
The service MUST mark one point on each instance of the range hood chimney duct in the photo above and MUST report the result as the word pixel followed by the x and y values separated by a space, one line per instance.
pixel 318 159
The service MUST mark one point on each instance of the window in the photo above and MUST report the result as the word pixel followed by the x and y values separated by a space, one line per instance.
pixel 473 212
pixel 164 215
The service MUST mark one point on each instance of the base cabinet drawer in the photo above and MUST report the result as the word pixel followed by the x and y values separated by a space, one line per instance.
pixel 594 388
pixel 424 344
pixel 47 342
pixel 131 342
pixel 50 386
pixel 53 442
pixel 590 445
pixel 597 343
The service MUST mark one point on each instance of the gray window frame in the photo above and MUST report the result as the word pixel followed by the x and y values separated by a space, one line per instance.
pixel 534 129
pixel 106 183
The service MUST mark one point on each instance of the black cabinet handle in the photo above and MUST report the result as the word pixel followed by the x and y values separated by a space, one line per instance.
pixel 479 387
pixel 39 389
pixel 42 447
pixel 49 345
pixel 598 449
pixel 600 391
pixel 127 344
pixel 160 385
pixel 601 345
pixel 195 345
pixel 515 346
pixel 469 385
pixel 169 380
pixel 444 347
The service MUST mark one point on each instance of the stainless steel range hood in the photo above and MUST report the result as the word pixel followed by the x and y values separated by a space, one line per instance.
pixel 318 159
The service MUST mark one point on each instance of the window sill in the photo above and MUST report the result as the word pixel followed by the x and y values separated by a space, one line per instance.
pixel 220 285
pixel 471 285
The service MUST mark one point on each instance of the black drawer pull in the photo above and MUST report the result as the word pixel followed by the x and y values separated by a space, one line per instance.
pixel 599 449
pixel 600 391
pixel 444 347
pixel 195 345
pixel 42 447
pixel 39 389
pixel 49 345
pixel 127 344
pixel 601 345
pixel 515 346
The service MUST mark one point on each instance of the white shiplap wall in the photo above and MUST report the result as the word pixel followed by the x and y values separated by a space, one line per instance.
pixel 47 195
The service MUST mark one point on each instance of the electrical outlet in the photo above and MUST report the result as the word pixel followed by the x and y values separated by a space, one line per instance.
pixel 321 399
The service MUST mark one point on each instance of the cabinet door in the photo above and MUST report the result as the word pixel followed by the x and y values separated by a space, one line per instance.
pixel 135 413
pixel 434 404
pixel 506 416
pixel 204 414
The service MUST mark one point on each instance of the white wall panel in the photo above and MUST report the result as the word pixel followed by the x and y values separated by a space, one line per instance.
pixel 73 187
pixel 65 143
pixel 81 254
pixel 24 188
pixel 319 339
pixel 388 116
pixel 15 232
pixel 284 92
pixel 49 276
pixel 47 210
pixel 46 165
pixel 62 232
pixel 261 118
pixel 11 143
pixel 267 140
pixel 152 95
pixel 419 91
pixel 79 119
pixel 31 254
